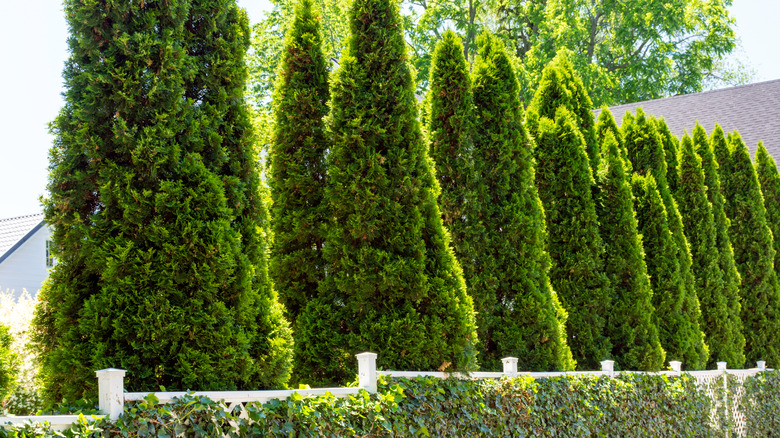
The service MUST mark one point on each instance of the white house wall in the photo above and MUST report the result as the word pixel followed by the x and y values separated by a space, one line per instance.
pixel 25 268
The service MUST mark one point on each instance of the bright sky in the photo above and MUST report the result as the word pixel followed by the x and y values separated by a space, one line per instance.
pixel 33 50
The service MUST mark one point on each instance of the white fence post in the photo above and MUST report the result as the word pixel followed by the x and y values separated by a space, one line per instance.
pixel 608 367
pixel 111 388
pixel 510 366
pixel 367 371
pixel 761 365
pixel 676 366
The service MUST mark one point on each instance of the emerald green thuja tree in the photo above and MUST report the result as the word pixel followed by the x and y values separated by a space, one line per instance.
pixel 606 123
pixel 646 152
pixel 631 324
pixel 561 86
pixel 731 278
pixel 449 105
pixel 769 179
pixel 156 208
pixel 674 325
pixel 393 285
pixel 671 154
pixel 754 250
pixel 519 314
pixel 564 181
pixel 297 164
pixel 719 321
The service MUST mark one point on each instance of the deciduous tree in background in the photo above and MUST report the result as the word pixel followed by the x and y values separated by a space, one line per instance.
pixel 393 285
pixel 156 208
pixel 646 152
pixel 754 250
pixel 519 314
pixel 631 323
pixel 719 321
pixel 565 181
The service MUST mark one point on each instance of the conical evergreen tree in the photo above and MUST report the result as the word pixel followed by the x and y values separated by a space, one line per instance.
pixel 606 123
pixel 769 179
pixel 564 181
pixel 645 150
pixel 754 250
pixel 561 86
pixel 155 206
pixel 631 325
pixel 297 164
pixel 674 326
pixel 508 276
pixel 671 154
pixel 393 285
pixel 731 278
pixel 449 105
pixel 719 321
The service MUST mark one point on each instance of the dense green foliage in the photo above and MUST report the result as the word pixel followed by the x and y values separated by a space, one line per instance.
pixel 631 405
pixel 9 363
pixel 769 180
pixel 561 86
pixel 631 325
pixel 156 209
pixel 673 324
pixel 450 104
pixel 720 321
pixel 606 123
pixel 671 48
pixel 754 251
pixel 565 182
pixel 297 165
pixel 671 154
pixel 506 264
pixel 646 152
pixel 393 284
pixel 731 278
pixel 759 403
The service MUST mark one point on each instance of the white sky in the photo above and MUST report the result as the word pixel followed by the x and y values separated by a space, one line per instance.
pixel 33 51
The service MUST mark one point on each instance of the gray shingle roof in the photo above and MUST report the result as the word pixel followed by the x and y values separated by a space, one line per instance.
pixel 15 230
pixel 753 110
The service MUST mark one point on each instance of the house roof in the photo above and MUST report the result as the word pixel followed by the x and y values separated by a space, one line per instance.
pixel 16 230
pixel 753 110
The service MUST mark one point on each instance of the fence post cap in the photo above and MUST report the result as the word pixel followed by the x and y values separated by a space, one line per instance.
pixel 110 372
pixel 676 365
pixel 761 365
pixel 509 360
pixel 366 355
pixel 722 366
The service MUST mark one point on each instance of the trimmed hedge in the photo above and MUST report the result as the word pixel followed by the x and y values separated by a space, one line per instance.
pixel 628 405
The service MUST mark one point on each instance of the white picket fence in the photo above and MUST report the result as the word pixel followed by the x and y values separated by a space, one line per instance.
pixel 112 396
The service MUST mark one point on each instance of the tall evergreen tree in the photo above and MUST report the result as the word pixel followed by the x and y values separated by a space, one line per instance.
pixel 769 179
pixel 561 86
pixel 671 154
pixel 631 325
pixel 646 152
pixel 156 206
pixel 393 285
pixel 731 278
pixel 297 164
pixel 508 270
pixel 564 181
pixel 754 250
pixel 674 325
pixel 606 123
pixel 720 322
pixel 449 105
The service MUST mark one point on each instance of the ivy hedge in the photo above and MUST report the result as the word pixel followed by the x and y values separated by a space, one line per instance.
pixel 628 405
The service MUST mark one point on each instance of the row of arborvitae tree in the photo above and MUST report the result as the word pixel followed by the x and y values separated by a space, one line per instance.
pixel 576 241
